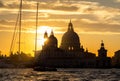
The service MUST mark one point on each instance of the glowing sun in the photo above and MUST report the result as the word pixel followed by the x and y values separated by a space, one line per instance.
pixel 41 30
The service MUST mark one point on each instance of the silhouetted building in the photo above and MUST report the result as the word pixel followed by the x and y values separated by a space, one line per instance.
pixel 116 59
pixel 102 52
pixel 70 54
pixel 51 42
pixel 102 60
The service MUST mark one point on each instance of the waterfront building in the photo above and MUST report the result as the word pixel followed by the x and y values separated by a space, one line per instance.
pixel 102 60
pixel 116 59
pixel 70 54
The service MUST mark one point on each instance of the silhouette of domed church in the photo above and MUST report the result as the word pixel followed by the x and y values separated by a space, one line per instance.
pixel 70 54
pixel 70 40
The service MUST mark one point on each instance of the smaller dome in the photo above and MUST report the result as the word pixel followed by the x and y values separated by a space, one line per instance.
pixel 52 40
pixel 102 44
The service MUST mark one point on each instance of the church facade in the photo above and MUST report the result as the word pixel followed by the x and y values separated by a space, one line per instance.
pixel 70 54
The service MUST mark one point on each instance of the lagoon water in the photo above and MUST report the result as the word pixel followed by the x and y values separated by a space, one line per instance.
pixel 60 75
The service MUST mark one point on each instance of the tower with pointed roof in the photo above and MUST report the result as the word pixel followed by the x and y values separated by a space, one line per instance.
pixel 45 35
pixel 102 60
pixel 102 52
pixel 45 38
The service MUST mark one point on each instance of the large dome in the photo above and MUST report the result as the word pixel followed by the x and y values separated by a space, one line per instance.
pixel 70 40
pixel 70 37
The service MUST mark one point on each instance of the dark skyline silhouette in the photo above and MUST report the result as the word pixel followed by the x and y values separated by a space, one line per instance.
pixel 71 53
pixel 93 20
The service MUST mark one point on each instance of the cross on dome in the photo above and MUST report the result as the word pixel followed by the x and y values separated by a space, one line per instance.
pixel 70 26
pixel 102 44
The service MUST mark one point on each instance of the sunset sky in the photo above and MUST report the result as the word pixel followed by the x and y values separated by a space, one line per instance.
pixel 93 20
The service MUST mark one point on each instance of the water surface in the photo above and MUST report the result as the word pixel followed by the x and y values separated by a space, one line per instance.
pixel 60 75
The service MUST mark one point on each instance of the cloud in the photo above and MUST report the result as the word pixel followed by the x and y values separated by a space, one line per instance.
pixel 46 1
pixel 106 3
pixel 88 15
pixel 1 4
pixel 118 1
pixel 5 28
pixel 42 5
pixel 96 27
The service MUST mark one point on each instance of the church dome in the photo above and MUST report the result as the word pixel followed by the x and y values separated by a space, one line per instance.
pixel 52 40
pixel 70 37
pixel 70 40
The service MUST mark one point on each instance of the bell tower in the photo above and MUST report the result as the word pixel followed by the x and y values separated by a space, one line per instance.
pixel 102 52
pixel 45 40
pixel 45 35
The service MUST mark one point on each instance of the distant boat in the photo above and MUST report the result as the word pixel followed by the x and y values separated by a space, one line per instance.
pixel 44 69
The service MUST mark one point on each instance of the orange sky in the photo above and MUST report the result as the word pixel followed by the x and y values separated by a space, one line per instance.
pixel 93 20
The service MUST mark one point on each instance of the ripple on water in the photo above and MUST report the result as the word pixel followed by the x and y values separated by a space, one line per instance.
pixel 62 75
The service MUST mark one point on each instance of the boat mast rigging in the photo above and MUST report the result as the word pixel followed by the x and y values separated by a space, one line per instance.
pixel 36 28
pixel 19 46
pixel 19 19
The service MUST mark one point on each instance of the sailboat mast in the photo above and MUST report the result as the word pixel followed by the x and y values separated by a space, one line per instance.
pixel 36 28
pixel 19 45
